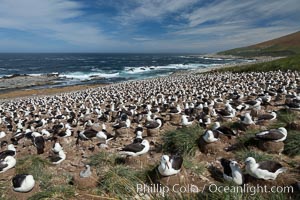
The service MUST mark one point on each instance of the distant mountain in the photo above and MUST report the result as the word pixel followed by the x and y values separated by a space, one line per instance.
pixel 283 46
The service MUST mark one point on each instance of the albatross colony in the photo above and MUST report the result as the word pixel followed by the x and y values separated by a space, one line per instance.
pixel 74 121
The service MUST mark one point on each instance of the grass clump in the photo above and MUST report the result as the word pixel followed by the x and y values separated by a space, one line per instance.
pixel 291 144
pixel 258 156
pixel 55 192
pixel 102 161
pixel 286 116
pixel 183 141
pixel 120 181
pixel 4 185
pixel 37 167
pixel 116 180
pixel 102 158
pixel 194 165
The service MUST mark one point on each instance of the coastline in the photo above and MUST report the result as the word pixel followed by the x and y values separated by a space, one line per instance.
pixel 45 91
pixel 21 85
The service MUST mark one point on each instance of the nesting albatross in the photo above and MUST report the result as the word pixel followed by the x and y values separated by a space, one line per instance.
pixel 6 164
pixel 136 149
pixel 23 182
pixel 275 135
pixel 267 170
pixel 170 165
pixel 232 171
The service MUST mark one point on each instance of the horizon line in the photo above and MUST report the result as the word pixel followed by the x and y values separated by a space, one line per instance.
pixel 106 53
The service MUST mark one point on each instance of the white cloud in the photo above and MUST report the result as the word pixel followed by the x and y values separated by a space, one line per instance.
pixel 151 10
pixel 228 24
pixel 50 19
pixel 188 25
pixel 249 11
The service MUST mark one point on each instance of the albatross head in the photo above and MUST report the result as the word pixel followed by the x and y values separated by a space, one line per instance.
pixel 165 160
pixel 234 165
pixel 283 130
pixel 250 161
pixel 145 143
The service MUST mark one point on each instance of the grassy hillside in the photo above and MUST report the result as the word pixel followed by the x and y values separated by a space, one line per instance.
pixel 284 64
pixel 284 46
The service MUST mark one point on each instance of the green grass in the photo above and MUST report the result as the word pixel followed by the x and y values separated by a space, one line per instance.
pixel 37 167
pixel 283 64
pixel 120 182
pixel 102 158
pixel 182 140
pixel 116 180
pixel 273 51
pixel 286 116
pixel 246 140
pixel 291 144
pixel 194 165
pixel 4 187
pixel 258 156
pixel 283 46
pixel 102 161
pixel 55 192
pixel 181 196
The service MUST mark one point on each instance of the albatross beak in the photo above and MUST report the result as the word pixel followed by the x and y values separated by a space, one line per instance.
pixel 168 164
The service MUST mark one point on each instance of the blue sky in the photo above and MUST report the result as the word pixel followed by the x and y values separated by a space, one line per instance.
pixel 192 26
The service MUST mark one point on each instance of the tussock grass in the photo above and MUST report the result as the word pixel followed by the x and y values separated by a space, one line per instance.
pixel 102 158
pixel 182 196
pixel 194 165
pixel 102 161
pixel 246 140
pixel 116 180
pixel 183 141
pixel 37 167
pixel 120 182
pixel 291 144
pixel 286 116
pixel 55 192
pixel 4 187
pixel 258 156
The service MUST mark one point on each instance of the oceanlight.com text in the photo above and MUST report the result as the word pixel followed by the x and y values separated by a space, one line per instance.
pixel 212 188
pixel 249 189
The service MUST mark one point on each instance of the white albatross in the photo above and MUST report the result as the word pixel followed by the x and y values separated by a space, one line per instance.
pixel 267 170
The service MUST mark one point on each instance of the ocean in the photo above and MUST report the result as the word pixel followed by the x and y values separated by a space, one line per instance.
pixel 88 68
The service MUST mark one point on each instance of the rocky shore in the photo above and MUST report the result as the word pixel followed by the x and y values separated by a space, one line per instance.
pixel 19 81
